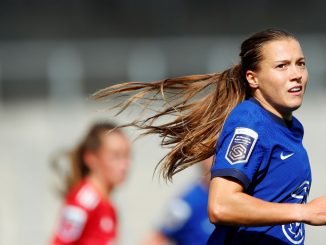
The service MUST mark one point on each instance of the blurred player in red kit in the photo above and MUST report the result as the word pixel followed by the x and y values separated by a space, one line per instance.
pixel 98 164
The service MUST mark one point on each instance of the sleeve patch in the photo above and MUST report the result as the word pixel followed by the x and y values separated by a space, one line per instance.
pixel 241 145
pixel 72 223
pixel 177 214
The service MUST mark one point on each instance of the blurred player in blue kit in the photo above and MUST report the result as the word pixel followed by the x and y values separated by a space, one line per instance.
pixel 186 220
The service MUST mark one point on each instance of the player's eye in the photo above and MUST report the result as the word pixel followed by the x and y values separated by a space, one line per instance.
pixel 281 66
pixel 302 63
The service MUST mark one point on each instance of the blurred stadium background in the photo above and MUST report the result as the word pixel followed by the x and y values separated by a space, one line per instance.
pixel 54 54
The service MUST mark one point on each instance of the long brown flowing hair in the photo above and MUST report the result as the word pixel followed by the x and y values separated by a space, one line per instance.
pixel 198 104
pixel 78 168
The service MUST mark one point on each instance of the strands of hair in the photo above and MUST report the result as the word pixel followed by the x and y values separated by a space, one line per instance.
pixel 193 110
pixel 195 107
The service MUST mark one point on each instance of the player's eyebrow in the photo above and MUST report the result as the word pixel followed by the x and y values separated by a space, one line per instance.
pixel 287 60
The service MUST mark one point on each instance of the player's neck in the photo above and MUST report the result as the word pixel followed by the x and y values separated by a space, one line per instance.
pixel 100 185
pixel 272 109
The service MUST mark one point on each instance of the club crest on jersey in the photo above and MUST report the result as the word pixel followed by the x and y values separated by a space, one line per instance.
pixel 241 145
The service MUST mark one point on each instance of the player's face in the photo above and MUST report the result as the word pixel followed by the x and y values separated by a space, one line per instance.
pixel 113 158
pixel 282 77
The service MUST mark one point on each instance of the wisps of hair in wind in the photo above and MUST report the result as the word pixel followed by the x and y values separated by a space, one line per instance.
pixel 189 116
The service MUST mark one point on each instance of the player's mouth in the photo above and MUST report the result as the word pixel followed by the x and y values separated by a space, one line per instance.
pixel 296 90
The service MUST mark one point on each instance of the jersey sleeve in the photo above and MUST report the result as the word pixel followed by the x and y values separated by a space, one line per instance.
pixel 239 151
pixel 75 214
pixel 71 224
pixel 175 217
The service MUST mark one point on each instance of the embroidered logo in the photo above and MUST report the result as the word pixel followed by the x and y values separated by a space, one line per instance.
pixel 107 224
pixel 284 157
pixel 241 145
pixel 295 232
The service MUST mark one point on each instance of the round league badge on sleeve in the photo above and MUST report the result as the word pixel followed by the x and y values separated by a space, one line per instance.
pixel 241 145
pixel 72 223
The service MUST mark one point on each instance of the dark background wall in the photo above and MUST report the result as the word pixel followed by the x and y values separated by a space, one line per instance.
pixel 99 37
pixel 62 19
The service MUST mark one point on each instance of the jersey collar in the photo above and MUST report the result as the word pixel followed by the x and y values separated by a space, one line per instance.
pixel 283 122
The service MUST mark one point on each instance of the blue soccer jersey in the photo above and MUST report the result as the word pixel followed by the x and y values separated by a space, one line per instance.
pixel 265 154
pixel 186 221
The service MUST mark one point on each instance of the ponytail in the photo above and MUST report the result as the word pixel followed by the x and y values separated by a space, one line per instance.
pixel 194 109
pixel 198 104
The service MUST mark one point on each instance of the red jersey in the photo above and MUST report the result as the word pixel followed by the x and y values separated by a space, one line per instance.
pixel 87 218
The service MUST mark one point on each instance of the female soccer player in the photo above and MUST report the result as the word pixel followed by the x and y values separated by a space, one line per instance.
pixel 261 176
pixel 186 220
pixel 98 165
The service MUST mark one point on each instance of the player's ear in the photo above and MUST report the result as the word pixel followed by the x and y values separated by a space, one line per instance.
pixel 252 79
pixel 89 159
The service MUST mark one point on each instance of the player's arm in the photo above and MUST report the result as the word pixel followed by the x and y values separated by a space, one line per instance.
pixel 174 218
pixel 228 204
pixel 71 225
pixel 156 238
